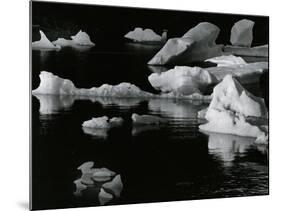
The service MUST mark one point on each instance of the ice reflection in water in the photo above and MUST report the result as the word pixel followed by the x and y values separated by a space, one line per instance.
pixel 227 147
pixel 102 181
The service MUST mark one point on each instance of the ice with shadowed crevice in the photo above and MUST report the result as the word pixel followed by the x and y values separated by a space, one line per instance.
pixel 44 43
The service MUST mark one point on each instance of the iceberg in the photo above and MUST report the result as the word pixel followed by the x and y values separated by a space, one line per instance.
pixel 145 35
pixel 115 186
pixel 86 179
pixel 182 80
pixel 257 51
pixel 103 174
pixel 79 187
pixel 233 110
pixel 226 60
pixel 86 167
pixel 104 197
pixel 54 85
pixel 44 43
pixel 242 33
pixel 103 122
pixel 147 119
pixel 197 44
pixel 80 39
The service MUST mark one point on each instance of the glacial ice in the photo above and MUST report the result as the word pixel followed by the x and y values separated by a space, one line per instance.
pixel 80 39
pixel 257 51
pixel 182 80
pixel 104 197
pixel 44 43
pixel 103 122
pixel 147 119
pixel 226 60
pixel 86 167
pixel 242 33
pixel 54 85
pixel 116 186
pixel 140 35
pixel 198 44
pixel 232 109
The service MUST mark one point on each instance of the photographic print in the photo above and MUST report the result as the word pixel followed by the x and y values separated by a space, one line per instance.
pixel 135 105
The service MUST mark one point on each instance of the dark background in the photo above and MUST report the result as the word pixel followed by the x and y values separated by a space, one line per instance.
pixel 108 25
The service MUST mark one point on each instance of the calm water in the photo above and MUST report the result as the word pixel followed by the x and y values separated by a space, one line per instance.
pixel 171 162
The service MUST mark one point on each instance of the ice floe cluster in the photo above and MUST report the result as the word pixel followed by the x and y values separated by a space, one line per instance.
pixel 108 182
pixel 81 39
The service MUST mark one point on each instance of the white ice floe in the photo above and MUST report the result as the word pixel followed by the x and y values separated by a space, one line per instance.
pixel 115 186
pixel 86 167
pixel 182 80
pixel 231 109
pixel 80 39
pixel 147 119
pixel 242 33
pixel 143 35
pixel 104 197
pixel 257 51
pixel 103 122
pixel 52 84
pixel 44 43
pixel 198 44
pixel 226 60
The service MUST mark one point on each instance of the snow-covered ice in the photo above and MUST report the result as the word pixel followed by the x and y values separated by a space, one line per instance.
pixel 143 35
pixel 80 39
pixel 182 80
pixel 44 43
pixel 230 109
pixel 103 122
pixel 147 119
pixel 198 44
pixel 115 186
pixel 242 33
pixel 226 60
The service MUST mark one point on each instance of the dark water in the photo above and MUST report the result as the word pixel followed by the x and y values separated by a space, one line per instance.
pixel 171 162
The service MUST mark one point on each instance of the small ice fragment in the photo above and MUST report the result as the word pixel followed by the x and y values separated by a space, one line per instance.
pixel 86 179
pixel 116 186
pixel 86 167
pixel 104 197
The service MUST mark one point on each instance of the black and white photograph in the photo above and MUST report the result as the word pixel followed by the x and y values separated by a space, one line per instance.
pixel 136 105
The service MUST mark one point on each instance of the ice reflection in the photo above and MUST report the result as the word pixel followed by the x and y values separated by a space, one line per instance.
pixel 176 108
pixel 137 129
pixel 109 184
pixel 227 146
pixel 96 132
pixel 51 104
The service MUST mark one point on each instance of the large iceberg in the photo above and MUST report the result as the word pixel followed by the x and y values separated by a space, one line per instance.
pixel 242 33
pixel 257 51
pixel 182 79
pixel 80 39
pixel 145 35
pixel 54 85
pixel 197 44
pixel 44 43
pixel 226 60
pixel 233 109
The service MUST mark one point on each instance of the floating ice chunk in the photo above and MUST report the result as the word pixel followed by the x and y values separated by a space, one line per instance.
pixel 147 119
pixel 242 33
pixel 262 139
pixel 86 178
pixel 103 174
pixel 44 43
pixel 231 108
pixel 86 167
pixel 229 60
pixel 63 42
pixel 79 187
pixel 104 197
pixel 182 79
pixel 257 51
pixel 197 44
pixel 245 73
pixel 82 38
pixel 140 35
pixel 52 84
pixel 103 122
pixel 116 186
